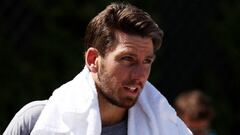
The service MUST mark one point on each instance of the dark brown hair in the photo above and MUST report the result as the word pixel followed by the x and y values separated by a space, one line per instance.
pixel 123 17
pixel 195 104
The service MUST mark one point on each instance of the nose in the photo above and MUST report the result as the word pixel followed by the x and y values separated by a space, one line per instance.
pixel 140 72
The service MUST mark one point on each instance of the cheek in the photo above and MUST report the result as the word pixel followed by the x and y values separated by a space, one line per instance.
pixel 148 71
pixel 118 69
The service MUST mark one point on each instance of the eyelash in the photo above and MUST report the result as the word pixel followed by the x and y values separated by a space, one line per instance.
pixel 127 58
pixel 148 61
pixel 130 59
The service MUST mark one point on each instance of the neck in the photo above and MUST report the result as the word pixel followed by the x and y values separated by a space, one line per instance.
pixel 110 114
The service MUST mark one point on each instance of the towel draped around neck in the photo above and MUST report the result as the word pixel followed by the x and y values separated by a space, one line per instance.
pixel 73 109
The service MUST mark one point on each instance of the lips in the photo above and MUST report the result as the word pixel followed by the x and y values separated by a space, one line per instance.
pixel 132 90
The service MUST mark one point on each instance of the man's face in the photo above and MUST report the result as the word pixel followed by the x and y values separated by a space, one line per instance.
pixel 123 71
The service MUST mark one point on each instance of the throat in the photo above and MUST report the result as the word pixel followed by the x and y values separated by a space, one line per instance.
pixel 111 114
pixel 111 120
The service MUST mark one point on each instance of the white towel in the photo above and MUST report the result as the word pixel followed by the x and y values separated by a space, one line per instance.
pixel 73 110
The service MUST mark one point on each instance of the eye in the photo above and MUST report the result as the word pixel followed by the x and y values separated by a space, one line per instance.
pixel 127 58
pixel 148 61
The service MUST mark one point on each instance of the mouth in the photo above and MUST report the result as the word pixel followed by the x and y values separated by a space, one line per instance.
pixel 132 90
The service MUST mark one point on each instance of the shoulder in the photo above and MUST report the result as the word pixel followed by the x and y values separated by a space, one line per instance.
pixel 32 108
pixel 25 119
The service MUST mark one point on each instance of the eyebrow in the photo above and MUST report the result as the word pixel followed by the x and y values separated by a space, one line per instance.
pixel 153 56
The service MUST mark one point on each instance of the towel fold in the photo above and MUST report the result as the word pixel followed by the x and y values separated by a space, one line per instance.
pixel 73 110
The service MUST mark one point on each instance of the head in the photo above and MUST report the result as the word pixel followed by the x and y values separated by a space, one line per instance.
pixel 121 42
pixel 100 32
pixel 195 109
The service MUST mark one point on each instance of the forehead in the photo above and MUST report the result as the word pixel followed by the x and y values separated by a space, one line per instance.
pixel 133 42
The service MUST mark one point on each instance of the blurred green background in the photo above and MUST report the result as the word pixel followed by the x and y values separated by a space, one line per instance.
pixel 41 47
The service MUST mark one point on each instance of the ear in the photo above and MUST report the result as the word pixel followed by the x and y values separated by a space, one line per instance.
pixel 91 59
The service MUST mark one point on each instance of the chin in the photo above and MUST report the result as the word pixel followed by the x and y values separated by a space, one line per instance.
pixel 128 103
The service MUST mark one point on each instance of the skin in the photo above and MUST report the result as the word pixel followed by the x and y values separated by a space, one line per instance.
pixel 121 74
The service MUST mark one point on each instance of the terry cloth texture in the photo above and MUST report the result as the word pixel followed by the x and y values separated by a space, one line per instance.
pixel 73 110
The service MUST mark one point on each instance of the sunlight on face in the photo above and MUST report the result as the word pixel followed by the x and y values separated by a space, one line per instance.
pixel 123 71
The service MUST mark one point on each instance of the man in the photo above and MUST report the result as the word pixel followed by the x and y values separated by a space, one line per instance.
pixel 196 110
pixel 111 96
